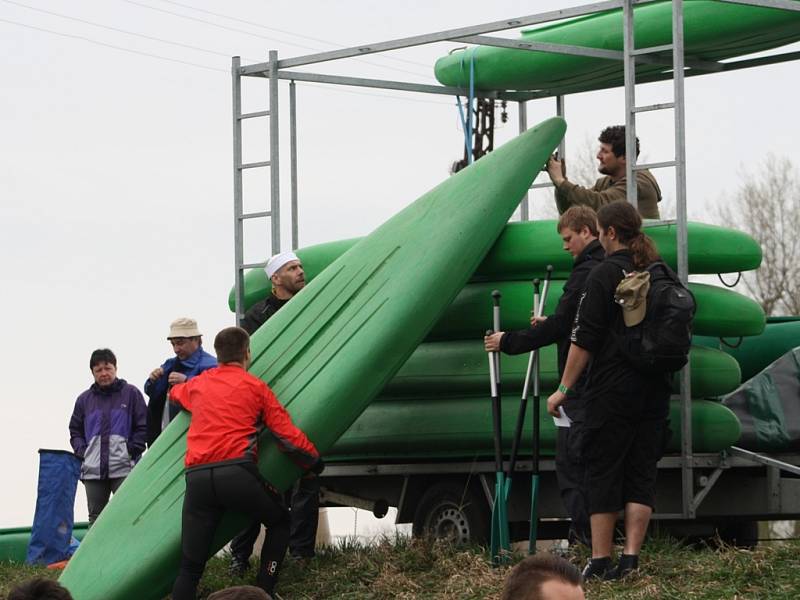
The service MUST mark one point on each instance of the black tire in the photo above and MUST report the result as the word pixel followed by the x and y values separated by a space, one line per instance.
pixel 452 511
pixel 739 534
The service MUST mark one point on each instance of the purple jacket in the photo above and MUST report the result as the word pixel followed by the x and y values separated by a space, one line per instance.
pixel 108 430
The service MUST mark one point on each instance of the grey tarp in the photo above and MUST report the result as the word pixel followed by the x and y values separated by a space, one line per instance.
pixel 768 406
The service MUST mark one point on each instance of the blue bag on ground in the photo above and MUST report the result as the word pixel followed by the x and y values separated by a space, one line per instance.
pixel 51 534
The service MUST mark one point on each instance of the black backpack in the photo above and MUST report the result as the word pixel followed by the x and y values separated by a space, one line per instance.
pixel 660 343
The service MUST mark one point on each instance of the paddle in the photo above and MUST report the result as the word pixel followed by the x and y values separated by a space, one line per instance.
pixel 499 544
pixel 538 310
pixel 533 533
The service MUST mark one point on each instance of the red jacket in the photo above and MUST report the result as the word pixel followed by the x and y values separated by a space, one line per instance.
pixel 230 408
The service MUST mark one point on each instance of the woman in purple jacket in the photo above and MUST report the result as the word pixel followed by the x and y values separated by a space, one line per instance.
pixel 108 430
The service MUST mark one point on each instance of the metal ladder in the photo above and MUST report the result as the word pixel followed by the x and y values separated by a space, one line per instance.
pixel 690 502
pixel 273 163
pixel 630 54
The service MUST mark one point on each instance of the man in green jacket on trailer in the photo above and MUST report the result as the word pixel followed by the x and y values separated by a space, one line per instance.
pixel 613 186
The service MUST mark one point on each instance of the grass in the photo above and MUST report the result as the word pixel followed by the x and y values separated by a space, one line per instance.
pixel 411 569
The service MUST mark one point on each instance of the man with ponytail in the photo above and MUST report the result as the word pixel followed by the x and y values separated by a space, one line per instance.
pixel 613 186
pixel 626 410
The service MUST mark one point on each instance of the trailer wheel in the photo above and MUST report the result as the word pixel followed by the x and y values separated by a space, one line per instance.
pixel 452 512
pixel 739 534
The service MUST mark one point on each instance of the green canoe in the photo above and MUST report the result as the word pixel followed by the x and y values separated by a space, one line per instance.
pixel 326 355
pixel 14 541
pixel 712 31
pixel 524 250
pixel 720 311
pixel 754 354
pixel 438 427
pixel 460 367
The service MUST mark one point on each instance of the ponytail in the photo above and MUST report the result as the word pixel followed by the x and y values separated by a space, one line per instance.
pixel 627 223
pixel 643 249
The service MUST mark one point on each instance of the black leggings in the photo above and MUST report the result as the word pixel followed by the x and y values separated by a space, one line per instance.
pixel 210 492
pixel 304 517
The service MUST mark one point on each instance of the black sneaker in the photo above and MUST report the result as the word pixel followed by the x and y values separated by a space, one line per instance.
pixel 238 567
pixel 628 563
pixel 598 568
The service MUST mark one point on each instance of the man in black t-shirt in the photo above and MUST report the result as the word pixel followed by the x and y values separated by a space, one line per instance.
pixel 286 275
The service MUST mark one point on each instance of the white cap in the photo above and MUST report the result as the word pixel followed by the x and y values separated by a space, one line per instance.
pixel 276 262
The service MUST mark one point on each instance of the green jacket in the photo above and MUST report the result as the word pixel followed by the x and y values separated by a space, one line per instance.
pixel 606 191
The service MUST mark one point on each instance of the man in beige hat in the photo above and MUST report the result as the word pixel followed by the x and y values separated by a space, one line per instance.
pixel 285 272
pixel 189 361
pixel 286 275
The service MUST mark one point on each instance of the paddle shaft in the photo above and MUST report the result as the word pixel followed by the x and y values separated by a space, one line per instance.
pixel 533 532
pixel 496 325
pixel 498 458
pixel 538 310
pixel 494 375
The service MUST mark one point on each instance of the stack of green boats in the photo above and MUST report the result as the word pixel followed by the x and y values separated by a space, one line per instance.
pixel 437 403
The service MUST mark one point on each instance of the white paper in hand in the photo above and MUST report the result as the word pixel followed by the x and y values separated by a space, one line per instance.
pixel 563 420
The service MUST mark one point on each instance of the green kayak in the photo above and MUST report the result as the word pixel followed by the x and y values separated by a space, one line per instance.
pixel 712 31
pixel 720 311
pixel 524 250
pixel 326 355
pixel 14 541
pixel 436 428
pixel 460 367
pixel 755 354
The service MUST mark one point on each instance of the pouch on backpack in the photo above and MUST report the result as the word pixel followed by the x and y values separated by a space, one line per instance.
pixel 658 311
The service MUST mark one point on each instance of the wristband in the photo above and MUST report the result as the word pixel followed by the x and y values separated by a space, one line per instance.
pixel 563 389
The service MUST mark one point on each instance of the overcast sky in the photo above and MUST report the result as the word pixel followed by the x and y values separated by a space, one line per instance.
pixel 115 169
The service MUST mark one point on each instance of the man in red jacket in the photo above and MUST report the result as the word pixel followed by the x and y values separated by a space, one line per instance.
pixel 229 409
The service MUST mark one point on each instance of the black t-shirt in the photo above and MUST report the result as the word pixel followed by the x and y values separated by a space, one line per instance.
pixel 613 383
pixel 261 312
pixel 558 326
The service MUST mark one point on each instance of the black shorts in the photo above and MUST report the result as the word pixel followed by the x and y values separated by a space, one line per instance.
pixel 620 456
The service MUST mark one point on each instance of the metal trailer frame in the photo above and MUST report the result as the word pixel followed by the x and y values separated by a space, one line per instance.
pixel 672 55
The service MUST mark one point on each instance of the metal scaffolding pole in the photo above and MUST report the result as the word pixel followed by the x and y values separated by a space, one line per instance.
pixel 687 473
pixel 274 153
pixel 561 112
pixel 238 224
pixel 629 68
pixel 524 210
pixel 293 159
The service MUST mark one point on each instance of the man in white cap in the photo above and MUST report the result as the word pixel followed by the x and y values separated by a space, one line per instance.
pixel 189 361
pixel 285 272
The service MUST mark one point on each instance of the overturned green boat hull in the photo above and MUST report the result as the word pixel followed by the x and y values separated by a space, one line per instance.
pixel 712 31
pixel 461 367
pixel 326 355
pixel 524 250
pixel 14 541
pixel 438 427
pixel 720 311
pixel 754 354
